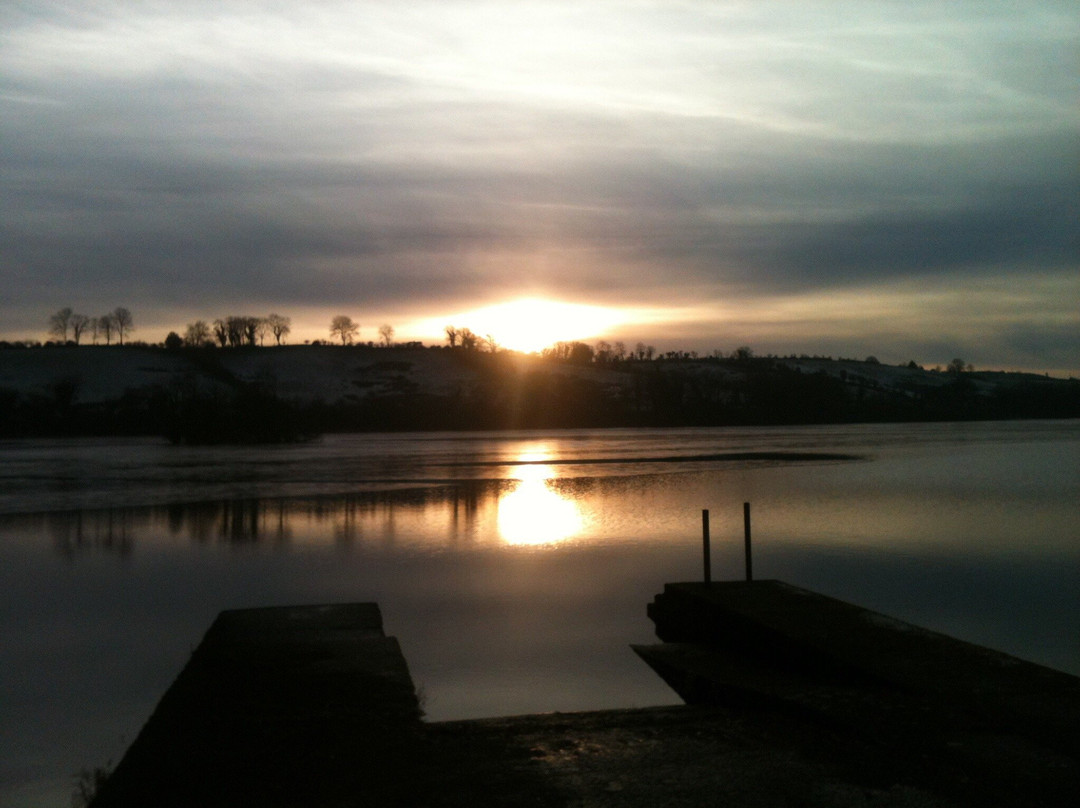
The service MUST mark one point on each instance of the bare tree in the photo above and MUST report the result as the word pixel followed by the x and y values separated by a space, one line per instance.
pixel 240 330
pixel 221 332
pixel 59 322
pixel 123 322
pixel 79 324
pixel 343 326
pixel 452 335
pixel 619 350
pixel 639 350
pixel 197 334
pixel 468 339
pixel 560 351
pixel 106 325
pixel 234 330
pixel 576 352
pixel 262 328
pixel 251 329
pixel 580 353
pixel 959 366
pixel 492 343
pixel 280 326
pixel 603 351
pixel 386 332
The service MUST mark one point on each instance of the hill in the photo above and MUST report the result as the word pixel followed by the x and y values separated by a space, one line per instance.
pixel 286 392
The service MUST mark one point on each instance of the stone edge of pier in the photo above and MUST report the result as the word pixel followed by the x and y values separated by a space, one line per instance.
pixel 793 698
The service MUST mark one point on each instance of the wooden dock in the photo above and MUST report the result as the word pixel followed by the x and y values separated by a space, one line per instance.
pixel 793 699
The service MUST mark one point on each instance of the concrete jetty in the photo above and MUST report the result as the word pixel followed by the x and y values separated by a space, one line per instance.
pixel 292 706
pixel 793 699
pixel 964 719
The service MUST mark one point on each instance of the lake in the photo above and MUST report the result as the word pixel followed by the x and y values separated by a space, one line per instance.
pixel 514 568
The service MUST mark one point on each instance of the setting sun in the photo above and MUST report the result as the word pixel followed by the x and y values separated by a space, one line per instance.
pixel 531 324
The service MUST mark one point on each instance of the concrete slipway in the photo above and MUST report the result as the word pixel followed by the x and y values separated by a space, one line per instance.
pixel 794 699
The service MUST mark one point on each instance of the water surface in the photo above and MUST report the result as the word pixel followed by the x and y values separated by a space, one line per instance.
pixel 513 567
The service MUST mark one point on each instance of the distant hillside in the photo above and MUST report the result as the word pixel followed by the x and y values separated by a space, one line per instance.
pixel 284 392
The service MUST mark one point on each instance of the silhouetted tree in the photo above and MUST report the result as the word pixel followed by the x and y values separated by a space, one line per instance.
pixel 742 354
pixel 241 330
pixel 59 323
pixel 491 343
pixel 958 366
pixel 603 352
pixel 262 327
pixel 619 350
pixel 106 326
pixel 280 326
pixel 173 341
pixel 251 329
pixel 386 333
pixel 580 353
pixel 197 334
pixel 559 351
pixel 343 327
pixel 469 340
pixel 451 335
pixel 123 322
pixel 221 332
pixel 79 324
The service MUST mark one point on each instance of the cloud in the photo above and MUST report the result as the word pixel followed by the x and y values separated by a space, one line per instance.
pixel 444 155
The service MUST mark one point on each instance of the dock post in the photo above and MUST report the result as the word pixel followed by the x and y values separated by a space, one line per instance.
pixel 705 546
pixel 746 536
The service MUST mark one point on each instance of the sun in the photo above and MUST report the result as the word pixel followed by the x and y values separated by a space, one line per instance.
pixel 531 324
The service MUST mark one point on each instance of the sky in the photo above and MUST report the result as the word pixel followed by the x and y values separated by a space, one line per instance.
pixel 837 178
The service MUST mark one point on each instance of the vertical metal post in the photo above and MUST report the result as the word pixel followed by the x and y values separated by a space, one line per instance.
pixel 705 546
pixel 746 535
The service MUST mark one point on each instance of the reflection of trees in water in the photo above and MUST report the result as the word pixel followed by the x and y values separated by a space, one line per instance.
pixel 378 514
pixel 234 521
pixel 450 511
pixel 463 510
pixel 118 529
pixel 112 530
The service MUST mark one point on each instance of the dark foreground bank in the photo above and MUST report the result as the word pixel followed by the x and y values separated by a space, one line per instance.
pixel 797 699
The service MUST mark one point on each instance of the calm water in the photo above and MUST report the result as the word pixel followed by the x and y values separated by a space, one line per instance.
pixel 514 568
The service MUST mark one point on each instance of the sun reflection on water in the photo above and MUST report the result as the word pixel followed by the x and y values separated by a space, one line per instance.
pixel 533 513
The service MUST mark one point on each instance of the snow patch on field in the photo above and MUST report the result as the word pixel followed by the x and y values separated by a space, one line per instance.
pixel 304 373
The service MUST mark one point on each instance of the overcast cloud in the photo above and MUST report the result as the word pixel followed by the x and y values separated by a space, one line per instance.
pixel 847 178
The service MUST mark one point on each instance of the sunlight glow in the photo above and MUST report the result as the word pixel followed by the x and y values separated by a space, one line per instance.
pixel 532 324
pixel 533 514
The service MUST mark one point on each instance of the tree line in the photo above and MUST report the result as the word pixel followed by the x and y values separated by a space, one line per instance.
pixel 243 330
pixel 232 331
pixel 68 325
pixel 603 352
